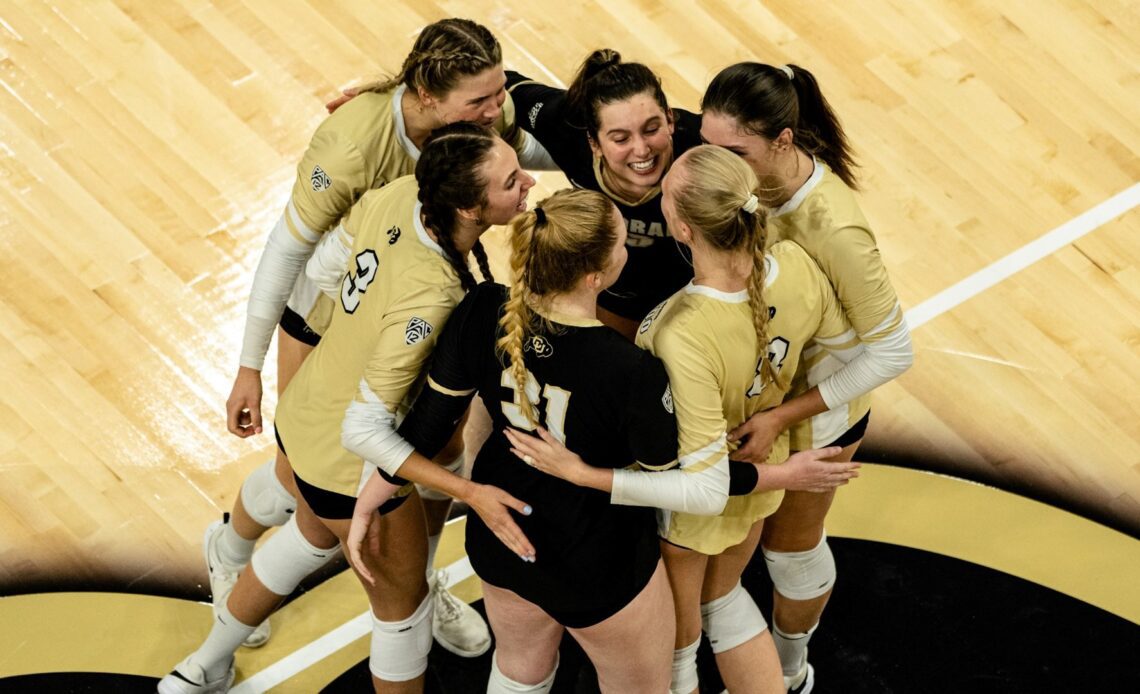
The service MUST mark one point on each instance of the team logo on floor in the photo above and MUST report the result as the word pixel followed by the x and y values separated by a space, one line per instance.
pixel 320 179
pixel 540 346
pixel 417 330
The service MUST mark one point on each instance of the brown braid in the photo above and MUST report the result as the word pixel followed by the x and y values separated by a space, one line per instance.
pixel 449 178
pixel 443 53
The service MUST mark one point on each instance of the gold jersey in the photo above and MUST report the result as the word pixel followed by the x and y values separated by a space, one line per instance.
pixel 707 340
pixel 395 299
pixel 361 146
pixel 824 218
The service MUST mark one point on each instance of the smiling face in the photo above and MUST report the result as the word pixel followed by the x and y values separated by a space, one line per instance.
pixel 475 98
pixel 635 142
pixel 507 185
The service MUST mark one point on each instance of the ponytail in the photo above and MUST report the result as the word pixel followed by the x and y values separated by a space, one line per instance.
pixel 765 100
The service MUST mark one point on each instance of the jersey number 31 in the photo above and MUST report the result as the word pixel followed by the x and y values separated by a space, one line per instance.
pixel 557 402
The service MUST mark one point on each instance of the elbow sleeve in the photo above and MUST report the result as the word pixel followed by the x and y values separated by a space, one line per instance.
pixel 329 263
pixel 369 431
pixel 881 361
pixel 703 493
pixel 273 281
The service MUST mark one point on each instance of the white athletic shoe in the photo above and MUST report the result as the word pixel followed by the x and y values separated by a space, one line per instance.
pixel 189 678
pixel 803 682
pixel 222 580
pixel 456 625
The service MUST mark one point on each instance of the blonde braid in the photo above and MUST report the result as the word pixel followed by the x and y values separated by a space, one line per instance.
pixel 516 319
pixel 759 306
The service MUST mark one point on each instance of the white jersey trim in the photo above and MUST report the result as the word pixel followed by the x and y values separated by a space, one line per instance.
pixel 421 232
pixel 740 297
pixel 302 228
pixel 798 197
pixel 401 130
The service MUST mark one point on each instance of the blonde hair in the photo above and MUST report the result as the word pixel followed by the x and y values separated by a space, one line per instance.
pixel 567 236
pixel 713 195
pixel 444 52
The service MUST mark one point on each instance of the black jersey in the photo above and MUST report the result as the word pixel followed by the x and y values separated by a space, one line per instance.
pixel 656 268
pixel 608 400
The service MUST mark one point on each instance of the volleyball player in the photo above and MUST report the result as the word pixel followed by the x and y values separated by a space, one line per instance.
pixel 539 357
pixel 613 131
pixel 709 336
pixel 453 73
pixel 336 420
pixel 777 120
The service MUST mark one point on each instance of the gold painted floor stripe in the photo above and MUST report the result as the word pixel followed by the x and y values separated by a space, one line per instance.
pixel 146 635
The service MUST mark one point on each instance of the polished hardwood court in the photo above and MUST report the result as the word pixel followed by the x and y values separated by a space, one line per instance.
pixel 147 147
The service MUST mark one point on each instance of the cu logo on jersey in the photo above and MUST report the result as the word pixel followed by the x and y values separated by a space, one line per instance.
pixel 540 346
pixel 320 179
pixel 393 235
pixel 667 399
pixel 532 115
pixel 418 329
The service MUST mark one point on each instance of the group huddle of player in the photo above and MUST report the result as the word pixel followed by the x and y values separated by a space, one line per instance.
pixel 676 371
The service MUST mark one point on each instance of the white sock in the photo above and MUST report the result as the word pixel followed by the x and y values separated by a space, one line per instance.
pixel 792 649
pixel 217 651
pixel 233 549
pixel 433 545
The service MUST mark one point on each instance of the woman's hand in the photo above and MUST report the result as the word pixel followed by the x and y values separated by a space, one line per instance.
pixel 810 471
pixel 547 454
pixel 347 95
pixel 364 523
pixel 493 504
pixel 758 434
pixel 243 409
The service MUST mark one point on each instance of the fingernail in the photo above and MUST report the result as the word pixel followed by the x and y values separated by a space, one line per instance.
pixel 530 559
pixel 523 557
pixel 527 510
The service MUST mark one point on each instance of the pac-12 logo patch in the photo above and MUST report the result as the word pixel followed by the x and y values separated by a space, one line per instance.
pixel 418 329
pixel 320 179
pixel 667 399
pixel 540 346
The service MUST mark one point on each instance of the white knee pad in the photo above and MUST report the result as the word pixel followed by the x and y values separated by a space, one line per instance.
pixel 288 557
pixel 501 684
pixel 685 678
pixel 430 494
pixel 399 650
pixel 731 620
pixel 802 575
pixel 265 499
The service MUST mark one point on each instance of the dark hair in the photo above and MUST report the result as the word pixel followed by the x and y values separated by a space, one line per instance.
pixel 449 180
pixel 765 100
pixel 444 52
pixel 604 79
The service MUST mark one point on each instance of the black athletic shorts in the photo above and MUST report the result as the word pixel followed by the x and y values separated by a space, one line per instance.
pixel 296 327
pixel 853 434
pixel 332 505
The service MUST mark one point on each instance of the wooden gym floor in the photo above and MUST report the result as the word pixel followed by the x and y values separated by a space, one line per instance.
pixel 147 146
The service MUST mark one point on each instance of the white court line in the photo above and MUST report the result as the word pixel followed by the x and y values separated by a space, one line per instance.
pixel 308 655
pixel 933 307
pixel 1023 257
